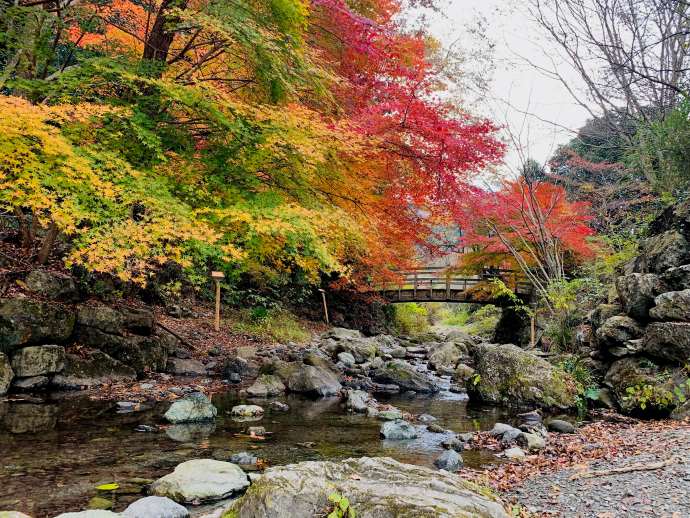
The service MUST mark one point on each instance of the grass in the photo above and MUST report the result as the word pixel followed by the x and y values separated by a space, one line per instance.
pixel 271 324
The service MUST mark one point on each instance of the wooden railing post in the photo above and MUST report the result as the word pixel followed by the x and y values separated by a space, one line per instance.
pixel 414 294
pixel 447 286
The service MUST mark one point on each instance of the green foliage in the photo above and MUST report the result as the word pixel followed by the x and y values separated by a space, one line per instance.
pixel 457 316
pixel 341 507
pixel 271 324
pixel 661 151
pixel 658 396
pixel 483 322
pixel 411 318
pixel 587 386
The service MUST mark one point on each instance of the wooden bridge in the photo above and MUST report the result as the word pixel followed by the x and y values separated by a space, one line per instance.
pixel 440 284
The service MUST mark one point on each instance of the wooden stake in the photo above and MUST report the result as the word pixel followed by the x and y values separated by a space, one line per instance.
pixel 217 276
pixel 533 329
pixel 325 306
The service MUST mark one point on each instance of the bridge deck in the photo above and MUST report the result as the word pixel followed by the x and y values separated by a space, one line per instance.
pixel 434 284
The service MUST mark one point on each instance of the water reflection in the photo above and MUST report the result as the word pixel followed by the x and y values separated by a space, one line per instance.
pixel 63 449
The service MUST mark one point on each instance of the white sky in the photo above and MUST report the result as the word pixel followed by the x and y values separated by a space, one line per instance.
pixel 516 87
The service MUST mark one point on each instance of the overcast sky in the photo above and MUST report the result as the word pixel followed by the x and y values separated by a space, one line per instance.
pixel 516 87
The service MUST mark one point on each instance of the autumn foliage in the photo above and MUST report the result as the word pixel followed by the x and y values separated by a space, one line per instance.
pixel 281 140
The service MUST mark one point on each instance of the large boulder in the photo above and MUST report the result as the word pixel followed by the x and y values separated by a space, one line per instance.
pixel 91 513
pixel 617 331
pixel 603 312
pixel 94 368
pixel 193 408
pixel 668 341
pixel 512 376
pixel 201 480
pixel 404 375
pixel 185 367
pixel 313 380
pixel 664 251
pixel 640 384
pixel 52 285
pixel 155 507
pixel 142 353
pixel 38 360
pixel 677 278
pixel 376 488
pixel 446 355
pixel 637 291
pixel 672 305
pixel 116 320
pixel 362 349
pixel 6 374
pixel 26 322
pixel 266 385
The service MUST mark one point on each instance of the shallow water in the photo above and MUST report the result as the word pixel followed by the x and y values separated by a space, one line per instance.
pixel 54 454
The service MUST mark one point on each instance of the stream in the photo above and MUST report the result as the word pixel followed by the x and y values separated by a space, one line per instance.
pixel 55 452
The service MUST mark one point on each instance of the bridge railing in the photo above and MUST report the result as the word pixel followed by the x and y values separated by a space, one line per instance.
pixel 441 283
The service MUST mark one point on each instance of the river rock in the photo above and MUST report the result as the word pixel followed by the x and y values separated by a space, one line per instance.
pixel 515 453
pixel 677 278
pixel 317 381
pixel 389 414
pixel 193 408
pixel 201 480
pixel 450 460
pixel 376 488
pixel 30 384
pixel 404 375
pixel 637 291
pixel 188 367
pixel 398 430
pixel 531 441
pixel 244 458
pixel 91 513
pixel 668 341
pixel 279 406
pixel 445 355
pixel 361 349
pixel 38 360
pixel 247 411
pixel 358 401
pixel 347 359
pixel 616 331
pixel 95 368
pixel 672 305
pixel 512 376
pixel 13 514
pixel 6 374
pixel 155 507
pixel 27 322
pixel 245 369
pixel 266 385
pixel 560 426
pixel 341 333
pixel 500 428
pixel 52 285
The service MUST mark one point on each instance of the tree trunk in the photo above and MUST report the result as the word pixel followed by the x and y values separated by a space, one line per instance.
pixel 25 229
pixel 161 37
pixel 48 243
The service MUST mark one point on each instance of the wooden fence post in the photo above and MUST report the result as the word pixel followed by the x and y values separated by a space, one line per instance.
pixel 217 276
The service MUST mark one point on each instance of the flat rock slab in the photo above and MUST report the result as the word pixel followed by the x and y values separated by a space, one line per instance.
pixel 201 480
pixel 376 488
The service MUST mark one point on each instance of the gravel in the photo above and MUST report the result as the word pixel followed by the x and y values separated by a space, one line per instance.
pixel 662 492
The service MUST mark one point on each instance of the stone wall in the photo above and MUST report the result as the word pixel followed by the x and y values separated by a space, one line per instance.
pixel 642 337
pixel 36 333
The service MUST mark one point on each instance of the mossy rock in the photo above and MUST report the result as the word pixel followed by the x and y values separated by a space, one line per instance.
pixel 509 375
